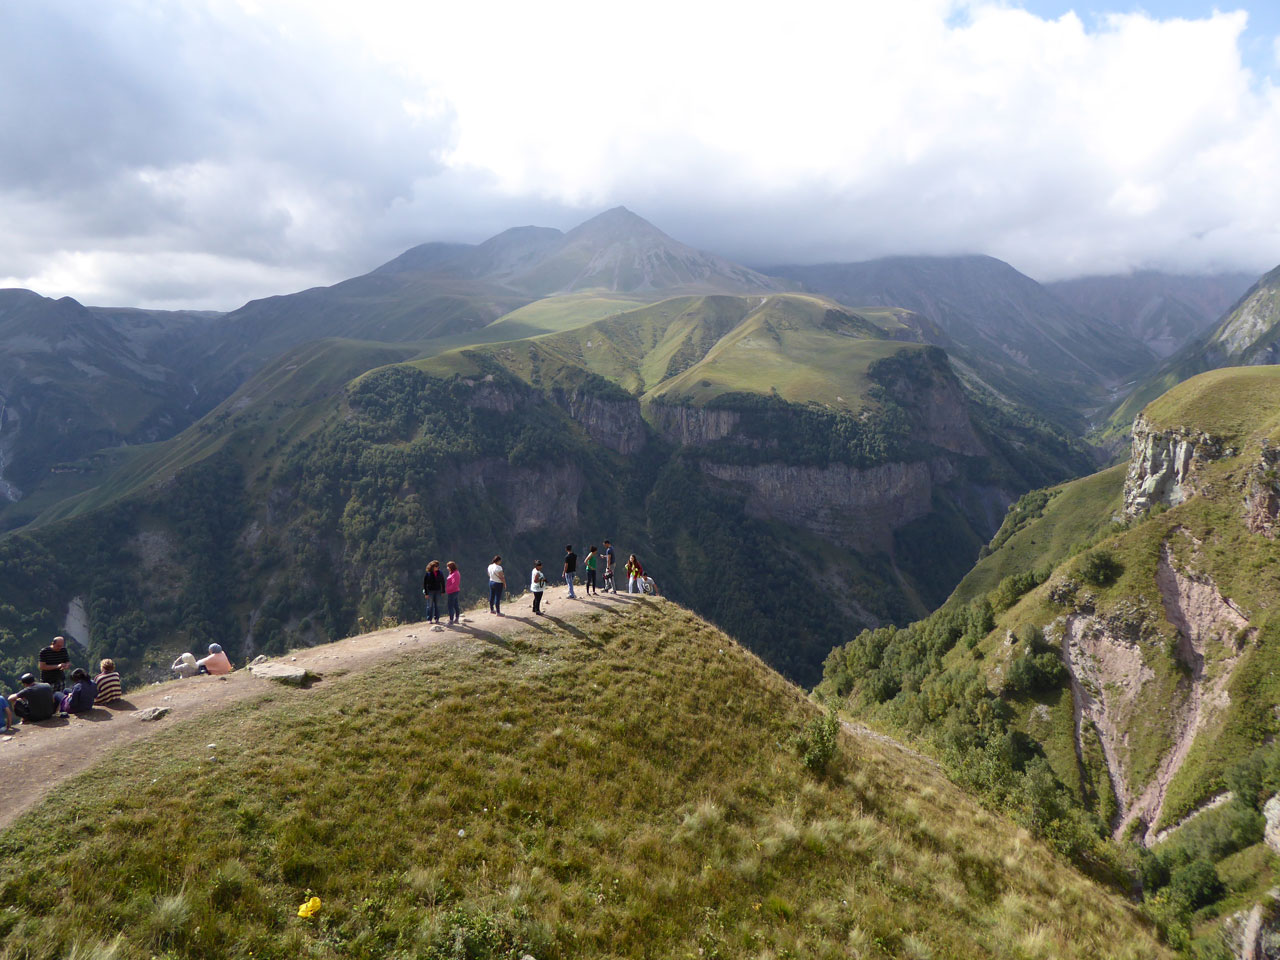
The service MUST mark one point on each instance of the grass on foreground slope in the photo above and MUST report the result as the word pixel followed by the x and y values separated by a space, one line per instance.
pixel 618 787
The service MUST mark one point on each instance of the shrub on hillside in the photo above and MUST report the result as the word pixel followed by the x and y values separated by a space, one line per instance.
pixel 1099 568
pixel 1195 885
pixel 1034 672
pixel 818 742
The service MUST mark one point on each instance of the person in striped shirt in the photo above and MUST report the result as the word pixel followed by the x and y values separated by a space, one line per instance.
pixel 108 683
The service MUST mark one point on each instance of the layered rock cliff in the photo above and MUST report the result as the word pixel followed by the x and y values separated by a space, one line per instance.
pixel 1162 465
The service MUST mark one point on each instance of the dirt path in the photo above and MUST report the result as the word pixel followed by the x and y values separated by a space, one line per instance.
pixel 39 756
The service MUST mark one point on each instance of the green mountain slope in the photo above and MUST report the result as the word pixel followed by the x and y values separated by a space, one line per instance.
pixel 1248 334
pixel 73 380
pixel 617 785
pixel 1121 642
pixel 1009 332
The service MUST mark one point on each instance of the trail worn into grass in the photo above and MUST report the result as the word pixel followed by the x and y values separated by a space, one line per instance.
pixel 39 756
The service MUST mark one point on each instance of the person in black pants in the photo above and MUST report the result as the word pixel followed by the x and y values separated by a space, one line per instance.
pixel 432 588
pixel 570 568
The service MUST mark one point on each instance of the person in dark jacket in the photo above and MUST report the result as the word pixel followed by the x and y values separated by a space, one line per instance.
pixel 79 699
pixel 432 589
pixel 35 701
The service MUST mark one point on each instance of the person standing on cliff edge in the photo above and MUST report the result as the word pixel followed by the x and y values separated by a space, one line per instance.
pixel 497 583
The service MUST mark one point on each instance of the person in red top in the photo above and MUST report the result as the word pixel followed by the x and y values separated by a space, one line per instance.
pixel 635 576
pixel 452 587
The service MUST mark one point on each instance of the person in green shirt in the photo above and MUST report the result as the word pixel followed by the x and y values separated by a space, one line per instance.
pixel 592 561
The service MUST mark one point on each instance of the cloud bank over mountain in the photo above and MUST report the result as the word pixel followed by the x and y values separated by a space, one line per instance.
pixel 205 153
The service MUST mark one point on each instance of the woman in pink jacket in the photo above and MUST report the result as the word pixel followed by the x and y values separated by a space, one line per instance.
pixel 452 587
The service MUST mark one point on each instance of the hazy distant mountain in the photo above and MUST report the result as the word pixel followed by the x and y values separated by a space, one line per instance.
pixel 74 379
pixel 1248 334
pixel 1165 311
pixel 445 289
pixel 1011 332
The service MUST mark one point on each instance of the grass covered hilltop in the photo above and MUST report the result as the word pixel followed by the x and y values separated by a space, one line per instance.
pixel 620 782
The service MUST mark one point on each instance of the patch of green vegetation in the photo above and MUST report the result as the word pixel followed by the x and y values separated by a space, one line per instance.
pixel 1229 403
pixel 617 786
pixel 1045 527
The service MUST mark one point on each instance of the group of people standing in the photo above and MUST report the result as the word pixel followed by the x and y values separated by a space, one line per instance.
pixel 49 696
pixel 597 564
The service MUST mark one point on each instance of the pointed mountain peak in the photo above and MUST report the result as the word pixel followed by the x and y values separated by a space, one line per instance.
pixel 616 224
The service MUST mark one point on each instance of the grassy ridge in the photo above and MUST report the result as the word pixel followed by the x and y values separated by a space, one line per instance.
pixel 621 787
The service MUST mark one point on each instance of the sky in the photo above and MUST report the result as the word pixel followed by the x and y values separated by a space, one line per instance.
pixel 199 154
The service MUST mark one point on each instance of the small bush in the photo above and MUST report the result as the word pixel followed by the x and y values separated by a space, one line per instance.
pixel 1195 885
pixel 1099 568
pixel 1033 673
pixel 818 742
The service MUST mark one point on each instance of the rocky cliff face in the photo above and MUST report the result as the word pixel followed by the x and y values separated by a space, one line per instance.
pixel 1162 465
pixel 1108 658
pixel 857 508
pixel 690 426
pixel 615 424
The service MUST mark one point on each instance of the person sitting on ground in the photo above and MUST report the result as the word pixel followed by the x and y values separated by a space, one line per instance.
pixel 185 666
pixel 35 701
pixel 54 660
pixel 108 683
pixel 635 576
pixel 216 663
pixel 79 699
pixel 7 720
pixel 648 586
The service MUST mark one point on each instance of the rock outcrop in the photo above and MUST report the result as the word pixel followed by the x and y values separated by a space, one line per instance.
pixel 615 424
pixel 858 508
pixel 1271 810
pixel 1109 671
pixel 1162 465
pixel 1262 493
pixel 690 426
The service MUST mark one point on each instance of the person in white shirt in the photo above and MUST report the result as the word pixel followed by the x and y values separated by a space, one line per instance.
pixel 537 584
pixel 497 583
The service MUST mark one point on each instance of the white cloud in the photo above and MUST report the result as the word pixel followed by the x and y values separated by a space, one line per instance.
pixel 295 139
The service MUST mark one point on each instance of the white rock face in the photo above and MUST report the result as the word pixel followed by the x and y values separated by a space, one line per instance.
pixel 1272 812
pixel 1162 464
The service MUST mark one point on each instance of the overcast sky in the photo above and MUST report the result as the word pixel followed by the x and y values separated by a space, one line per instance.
pixel 199 154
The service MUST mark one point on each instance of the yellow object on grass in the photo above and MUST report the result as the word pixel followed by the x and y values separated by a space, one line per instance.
pixel 310 908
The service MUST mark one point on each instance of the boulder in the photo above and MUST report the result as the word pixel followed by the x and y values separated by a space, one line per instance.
pixel 1271 810
pixel 286 673
pixel 150 713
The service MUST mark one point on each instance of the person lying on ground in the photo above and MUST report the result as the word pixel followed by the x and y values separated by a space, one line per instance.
pixel 108 683
pixel 54 660
pixel 79 699
pixel 216 662
pixel 185 666
pixel 35 701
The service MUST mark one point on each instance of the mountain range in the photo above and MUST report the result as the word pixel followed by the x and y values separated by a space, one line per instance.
pixel 881 478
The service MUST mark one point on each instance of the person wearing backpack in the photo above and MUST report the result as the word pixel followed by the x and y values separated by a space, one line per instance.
pixel 432 588
pixel 537 584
